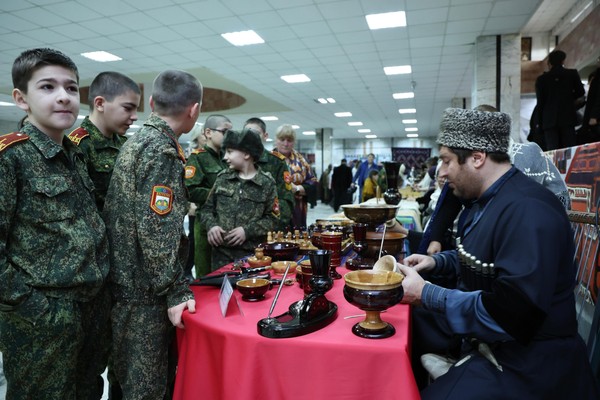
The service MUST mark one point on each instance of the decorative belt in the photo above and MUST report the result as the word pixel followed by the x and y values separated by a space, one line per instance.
pixel 475 274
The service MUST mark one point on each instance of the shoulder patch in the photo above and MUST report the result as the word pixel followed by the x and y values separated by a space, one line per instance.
pixel 11 138
pixel 190 171
pixel 197 151
pixel 77 134
pixel 161 201
pixel 278 155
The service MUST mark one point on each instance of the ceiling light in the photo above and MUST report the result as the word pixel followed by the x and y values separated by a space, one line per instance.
pixel 101 56
pixel 370 136
pixel 321 100
pixel 295 126
pixel 405 95
pixel 6 104
pixel 343 114
pixel 407 110
pixel 411 129
pixel 581 12
pixel 386 20
pixel 242 38
pixel 309 133
pixel 412 135
pixel 269 140
pixel 396 70
pixel 364 131
pixel 330 100
pixel 295 78
pixel 80 116
pixel 409 121
pixel 357 123
pixel 269 118
pixel 134 126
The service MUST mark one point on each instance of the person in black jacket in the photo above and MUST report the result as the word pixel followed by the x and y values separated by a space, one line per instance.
pixel 557 91
pixel 590 129
pixel 340 182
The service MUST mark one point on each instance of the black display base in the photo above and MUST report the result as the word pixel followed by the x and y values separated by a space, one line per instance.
pixel 289 324
pixel 382 333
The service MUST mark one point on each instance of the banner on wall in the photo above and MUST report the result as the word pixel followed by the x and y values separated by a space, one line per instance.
pixel 410 156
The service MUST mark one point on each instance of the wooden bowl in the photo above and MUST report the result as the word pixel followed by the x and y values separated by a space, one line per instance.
pixel 253 289
pixel 281 251
pixel 280 266
pixel 370 213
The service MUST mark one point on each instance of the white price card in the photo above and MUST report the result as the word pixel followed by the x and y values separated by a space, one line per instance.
pixel 225 295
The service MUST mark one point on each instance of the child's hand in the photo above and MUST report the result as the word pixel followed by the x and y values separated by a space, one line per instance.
pixel 236 236
pixel 215 236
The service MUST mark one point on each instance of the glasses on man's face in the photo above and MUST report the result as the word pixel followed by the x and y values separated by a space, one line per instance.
pixel 219 130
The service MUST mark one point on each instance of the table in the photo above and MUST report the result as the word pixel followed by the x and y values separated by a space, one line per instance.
pixel 225 358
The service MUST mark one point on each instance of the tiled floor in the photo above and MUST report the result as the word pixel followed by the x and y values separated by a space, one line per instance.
pixel 318 212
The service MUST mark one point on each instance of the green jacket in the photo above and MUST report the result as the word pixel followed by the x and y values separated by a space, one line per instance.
pixel 52 238
pixel 144 212
pixel 234 202
pixel 100 153
pixel 275 165
pixel 201 171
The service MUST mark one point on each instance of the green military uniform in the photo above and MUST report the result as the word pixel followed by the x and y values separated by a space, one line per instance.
pixel 249 203
pixel 100 152
pixel 201 171
pixel 53 263
pixel 274 163
pixel 144 211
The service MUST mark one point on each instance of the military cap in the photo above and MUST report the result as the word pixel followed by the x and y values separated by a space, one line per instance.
pixel 247 140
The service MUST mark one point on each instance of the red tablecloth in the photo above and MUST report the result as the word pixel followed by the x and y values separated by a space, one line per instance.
pixel 225 358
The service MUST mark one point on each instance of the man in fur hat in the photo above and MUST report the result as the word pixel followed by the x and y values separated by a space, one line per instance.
pixel 242 205
pixel 510 323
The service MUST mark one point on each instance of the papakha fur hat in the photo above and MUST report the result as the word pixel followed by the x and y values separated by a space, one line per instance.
pixel 475 130
pixel 248 141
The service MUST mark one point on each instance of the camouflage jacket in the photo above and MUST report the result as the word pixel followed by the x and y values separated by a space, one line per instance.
pixel 144 211
pixel 249 203
pixel 52 238
pixel 274 164
pixel 100 153
pixel 201 171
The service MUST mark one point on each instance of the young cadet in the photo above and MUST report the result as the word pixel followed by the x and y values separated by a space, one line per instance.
pixel 201 171
pixel 53 246
pixel 242 206
pixel 274 163
pixel 113 99
pixel 144 211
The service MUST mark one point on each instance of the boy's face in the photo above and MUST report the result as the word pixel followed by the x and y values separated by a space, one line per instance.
pixel 236 159
pixel 217 135
pixel 255 127
pixel 120 113
pixel 52 99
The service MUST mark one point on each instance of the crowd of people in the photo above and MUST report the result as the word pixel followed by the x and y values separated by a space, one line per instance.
pixel 95 262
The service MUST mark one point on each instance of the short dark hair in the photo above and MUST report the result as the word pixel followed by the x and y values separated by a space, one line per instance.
pixel 174 90
pixel 30 61
pixel 257 121
pixel 344 160
pixel 463 154
pixel 213 121
pixel 557 57
pixel 110 84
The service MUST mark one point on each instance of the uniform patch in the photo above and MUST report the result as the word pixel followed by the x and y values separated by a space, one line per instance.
pixel 287 178
pixel 278 155
pixel 190 171
pixel 198 151
pixel 11 138
pixel 77 134
pixel 162 199
pixel 276 212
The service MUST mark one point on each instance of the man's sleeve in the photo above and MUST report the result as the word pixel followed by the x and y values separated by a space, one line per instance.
pixel 195 180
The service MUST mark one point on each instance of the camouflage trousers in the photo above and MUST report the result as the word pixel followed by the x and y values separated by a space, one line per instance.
pixel 142 335
pixel 96 346
pixel 41 360
pixel 202 250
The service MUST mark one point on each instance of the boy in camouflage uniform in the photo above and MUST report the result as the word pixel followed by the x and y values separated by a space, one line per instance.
pixel 53 246
pixel 113 99
pixel 242 206
pixel 144 211
pixel 201 171
pixel 274 163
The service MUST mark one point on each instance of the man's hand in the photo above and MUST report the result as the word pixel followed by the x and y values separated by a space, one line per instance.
pixel 175 313
pixel 236 236
pixel 215 236
pixel 593 122
pixel 434 247
pixel 412 284
pixel 420 262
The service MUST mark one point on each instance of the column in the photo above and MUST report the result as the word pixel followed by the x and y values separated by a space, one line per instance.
pixel 497 76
